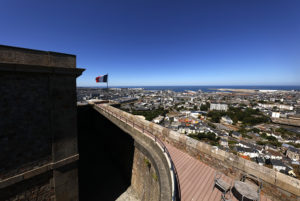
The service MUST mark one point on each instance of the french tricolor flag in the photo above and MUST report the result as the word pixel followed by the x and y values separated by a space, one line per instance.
pixel 102 78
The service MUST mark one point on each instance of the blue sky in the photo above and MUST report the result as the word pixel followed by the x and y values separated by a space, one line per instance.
pixel 142 43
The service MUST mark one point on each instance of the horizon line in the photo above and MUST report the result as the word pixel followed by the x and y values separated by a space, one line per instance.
pixel 247 85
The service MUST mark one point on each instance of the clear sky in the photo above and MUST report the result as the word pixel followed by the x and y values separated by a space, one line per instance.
pixel 149 42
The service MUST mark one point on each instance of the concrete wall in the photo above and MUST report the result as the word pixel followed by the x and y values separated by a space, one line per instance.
pixel 16 55
pixel 276 185
pixel 151 151
pixel 38 133
pixel 144 181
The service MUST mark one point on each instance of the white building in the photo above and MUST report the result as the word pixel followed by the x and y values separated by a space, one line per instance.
pixel 218 106
pixel 276 114
pixel 186 112
pixel 275 155
pixel 226 119
pixel 223 142
pixel 252 153
pixel 286 107
pixel 279 106
pixel 158 119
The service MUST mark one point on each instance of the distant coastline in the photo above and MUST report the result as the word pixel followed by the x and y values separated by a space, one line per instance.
pixel 241 88
pixel 237 90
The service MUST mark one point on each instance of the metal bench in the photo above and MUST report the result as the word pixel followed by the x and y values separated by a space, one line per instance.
pixel 221 184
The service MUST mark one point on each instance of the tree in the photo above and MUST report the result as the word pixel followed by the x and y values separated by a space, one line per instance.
pixel 271 138
pixel 215 116
pixel 263 135
pixel 255 130
pixel 208 137
pixel 204 107
pixel 261 143
pixel 208 105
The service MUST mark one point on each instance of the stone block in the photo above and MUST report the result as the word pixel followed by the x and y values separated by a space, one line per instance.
pixel 203 147
pixel 234 160
pixel 287 183
pixel 182 140
pixel 174 136
pixel 18 55
pixel 37 171
pixel 190 142
pixel 265 173
pixel 218 153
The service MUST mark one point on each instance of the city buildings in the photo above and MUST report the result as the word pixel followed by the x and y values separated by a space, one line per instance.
pixel 218 106
pixel 240 123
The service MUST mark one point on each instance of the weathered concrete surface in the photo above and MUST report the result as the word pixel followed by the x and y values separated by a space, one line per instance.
pixel 276 184
pixel 144 181
pixel 38 122
pixel 128 195
pixel 16 55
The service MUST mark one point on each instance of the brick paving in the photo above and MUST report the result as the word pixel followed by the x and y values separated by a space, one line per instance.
pixel 196 178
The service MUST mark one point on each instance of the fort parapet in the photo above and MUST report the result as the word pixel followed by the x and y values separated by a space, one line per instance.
pixel 276 185
pixel 38 133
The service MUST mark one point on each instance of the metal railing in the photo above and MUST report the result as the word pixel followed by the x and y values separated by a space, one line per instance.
pixel 176 192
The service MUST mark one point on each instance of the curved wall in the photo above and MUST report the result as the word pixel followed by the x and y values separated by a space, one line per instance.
pixel 154 154
pixel 106 157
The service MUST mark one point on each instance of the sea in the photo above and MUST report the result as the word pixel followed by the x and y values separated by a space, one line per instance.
pixel 210 88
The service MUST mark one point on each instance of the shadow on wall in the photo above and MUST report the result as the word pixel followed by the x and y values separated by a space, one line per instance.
pixel 25 137
pixel 106 157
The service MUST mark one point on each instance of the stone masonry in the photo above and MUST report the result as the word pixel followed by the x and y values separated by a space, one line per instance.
pixel 38 132
pixel 144 181
pixel 151 176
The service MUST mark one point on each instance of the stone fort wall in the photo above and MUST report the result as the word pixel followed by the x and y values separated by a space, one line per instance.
pixel 276 185
pixel 38 133
pixel 151 177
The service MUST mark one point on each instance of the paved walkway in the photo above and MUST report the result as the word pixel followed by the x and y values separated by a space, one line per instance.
pixel 196 178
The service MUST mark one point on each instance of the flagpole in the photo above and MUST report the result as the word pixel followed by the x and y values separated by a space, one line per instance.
pixel 107 82
pixel 107 86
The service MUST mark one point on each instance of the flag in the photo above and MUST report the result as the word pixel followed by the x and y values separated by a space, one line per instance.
pixel 102 78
